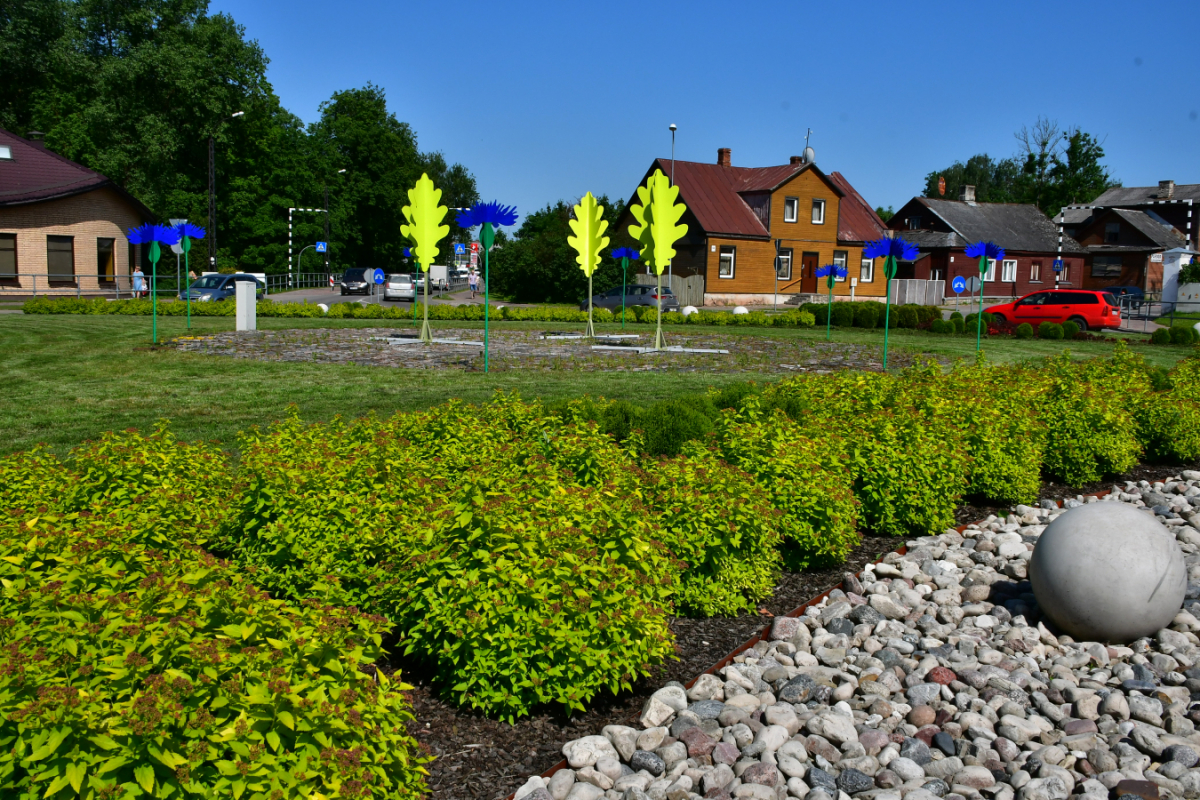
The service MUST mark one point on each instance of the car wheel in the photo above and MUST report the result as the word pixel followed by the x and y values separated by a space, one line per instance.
pixel 1080 321
pixel 998 317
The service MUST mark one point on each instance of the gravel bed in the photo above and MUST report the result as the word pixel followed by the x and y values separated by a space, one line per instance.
pixel 482 759
pixel 931 677
pixel 527 350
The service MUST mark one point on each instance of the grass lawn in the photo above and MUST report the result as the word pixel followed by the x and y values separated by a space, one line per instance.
pixel 70 378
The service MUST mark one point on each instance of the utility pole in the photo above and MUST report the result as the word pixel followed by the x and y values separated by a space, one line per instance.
pixel 212 205
pixel 327 229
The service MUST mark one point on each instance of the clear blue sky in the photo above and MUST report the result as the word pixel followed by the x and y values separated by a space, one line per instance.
pixel 547 100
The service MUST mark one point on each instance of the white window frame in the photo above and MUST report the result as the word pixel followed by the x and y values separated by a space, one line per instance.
pixel 841 258
pixel 791 209
pixel 866 271
pixel 5 153
pixel 1008 271
pixel 732 261
pixel 785 257
pixel 818 211
pixel 990 275
pixel 1035 272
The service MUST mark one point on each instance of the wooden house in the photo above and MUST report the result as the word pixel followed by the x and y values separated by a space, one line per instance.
pixel 759 234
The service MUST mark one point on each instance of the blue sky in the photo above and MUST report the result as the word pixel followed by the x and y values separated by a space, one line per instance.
pixel 546 100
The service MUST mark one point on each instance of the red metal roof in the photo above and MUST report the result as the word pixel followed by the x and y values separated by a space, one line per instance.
pixel 857 221
pixel 713 192
pixel 35 174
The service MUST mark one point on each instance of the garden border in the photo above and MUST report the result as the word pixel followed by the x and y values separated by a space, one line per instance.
pixel 796 612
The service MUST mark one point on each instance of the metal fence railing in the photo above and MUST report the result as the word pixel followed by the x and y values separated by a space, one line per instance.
pixel 107 285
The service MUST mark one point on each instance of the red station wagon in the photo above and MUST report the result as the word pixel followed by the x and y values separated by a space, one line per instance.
pixel 1086 309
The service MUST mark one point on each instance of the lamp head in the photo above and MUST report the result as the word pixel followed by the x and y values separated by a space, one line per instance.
pixel 672 127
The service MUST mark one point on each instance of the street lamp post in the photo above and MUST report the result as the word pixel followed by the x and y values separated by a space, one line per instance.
pixel 212 195
pixel 670 263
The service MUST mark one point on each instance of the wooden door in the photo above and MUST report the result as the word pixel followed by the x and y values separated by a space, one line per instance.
pixel 809 263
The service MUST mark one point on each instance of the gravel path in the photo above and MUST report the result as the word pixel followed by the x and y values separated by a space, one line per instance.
pixel 527 350
pixel 933 676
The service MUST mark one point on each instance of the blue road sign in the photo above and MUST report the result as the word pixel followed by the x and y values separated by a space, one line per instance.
pixel 959 284
pixel 379 276
pixel 460 249
pixel 321 247
pixel 1058 265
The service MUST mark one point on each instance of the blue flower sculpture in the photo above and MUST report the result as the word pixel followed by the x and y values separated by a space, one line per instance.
pixel 891 250
pixel 187 231
pixel 986 252
pixel 831 273
pixel 154 236
pixel 488 216
pixel 625 254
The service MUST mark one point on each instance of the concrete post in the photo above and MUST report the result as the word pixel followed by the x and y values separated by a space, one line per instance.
pixel 247 317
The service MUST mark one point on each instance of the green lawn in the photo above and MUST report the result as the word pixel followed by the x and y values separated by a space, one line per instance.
pixel 69 378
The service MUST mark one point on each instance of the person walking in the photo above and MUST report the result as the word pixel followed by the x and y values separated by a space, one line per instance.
pixel 139 282
pixel 473 281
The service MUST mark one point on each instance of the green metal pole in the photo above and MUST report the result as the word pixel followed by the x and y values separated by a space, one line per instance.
pixel 487 287
pixel 829 311
pixel 154 253
pixel 187 250
pixel 624 267
pixel 888 269
pixel 983 262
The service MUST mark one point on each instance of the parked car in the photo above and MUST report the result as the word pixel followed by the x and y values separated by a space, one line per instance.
pixel 356 280
pixel 400 287
pixel 635 295
pixel 215 288
pixel 1133 295
pixel 1087 309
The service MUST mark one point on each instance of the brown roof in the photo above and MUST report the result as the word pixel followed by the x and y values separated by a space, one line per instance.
pixel 35 174
pixel 712 192
pixel 857 221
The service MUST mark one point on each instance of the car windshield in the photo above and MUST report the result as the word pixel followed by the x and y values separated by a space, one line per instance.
pixel 355 275
pixel 208 282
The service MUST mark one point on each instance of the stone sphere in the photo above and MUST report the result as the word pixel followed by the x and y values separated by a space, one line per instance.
pixel 689 310
pixel 741 310
pixel 324 308
pixel 1108 572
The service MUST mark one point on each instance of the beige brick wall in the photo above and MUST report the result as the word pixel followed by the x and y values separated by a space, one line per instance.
pixel 99 214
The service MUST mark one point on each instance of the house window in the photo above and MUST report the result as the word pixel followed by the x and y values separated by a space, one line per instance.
pixel 784 265
pixel 791 209
pixel 840 259
pixel 725 262
pixel 106 266
pixel 914 223
pixel 1035 272
pixel 5 153
pixel 1112 232
pixel 866 271
pixel 1065 275
pixel 60 258
pixel 1008 272
pixel 818 215
pixel 1106 267
pixel 990 275
pixel 8 256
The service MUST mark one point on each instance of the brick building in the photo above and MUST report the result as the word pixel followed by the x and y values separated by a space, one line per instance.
pixel 736 215
pixel 62 225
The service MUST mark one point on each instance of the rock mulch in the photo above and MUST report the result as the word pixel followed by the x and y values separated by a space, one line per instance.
pixel 527 350
pixel 931 677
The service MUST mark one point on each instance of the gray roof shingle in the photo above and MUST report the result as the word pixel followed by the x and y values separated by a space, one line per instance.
pixel 1013 226
pixel 1162 235
pixel 1143 195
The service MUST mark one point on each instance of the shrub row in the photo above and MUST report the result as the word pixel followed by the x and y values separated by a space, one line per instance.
pixel 1178 334
pixel 137 663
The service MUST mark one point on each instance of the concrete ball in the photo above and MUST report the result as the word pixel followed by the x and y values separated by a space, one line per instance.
pixel 324 308
pixel 689 310
pixel 741 310
pixel 1108 572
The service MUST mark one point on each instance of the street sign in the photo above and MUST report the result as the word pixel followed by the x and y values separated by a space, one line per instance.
pixel 474 259
pixel 1058 265
pixel 973 283
pixel 177 249
pixel 959 284
pixel 474 247
pixel 379 276
pixel 460 249
pixel 322 247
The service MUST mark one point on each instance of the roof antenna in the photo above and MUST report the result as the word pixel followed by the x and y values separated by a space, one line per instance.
pixel 809 155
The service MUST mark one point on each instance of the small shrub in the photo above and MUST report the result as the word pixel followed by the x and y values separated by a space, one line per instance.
pixel 939 326
pixel 866 314
pixel 1024 331
pixel 668 425
pixel 1181 335
pixel 1070 330
pixel 675 318
pixel 1050 330
pixel 958 323
pixel 955 315
pixel 843 314
pixel 1161 336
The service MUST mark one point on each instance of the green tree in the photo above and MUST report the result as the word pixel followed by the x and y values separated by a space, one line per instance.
pixel 993 179
pixel 885 213
pixel 1077 174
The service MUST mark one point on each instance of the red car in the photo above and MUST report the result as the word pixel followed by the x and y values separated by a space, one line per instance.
pixel 1085 308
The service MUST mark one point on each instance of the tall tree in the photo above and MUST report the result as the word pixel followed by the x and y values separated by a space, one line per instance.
pixel 1077 174
pixel 993 179
pixel 1039 147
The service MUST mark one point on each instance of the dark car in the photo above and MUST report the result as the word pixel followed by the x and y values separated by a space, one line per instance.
pixel 1129 296
pixel 215 288
pixel 635 295
pixel 357 280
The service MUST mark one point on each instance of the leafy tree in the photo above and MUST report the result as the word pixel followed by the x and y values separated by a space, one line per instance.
pixel 1077 174
pixel 1039 146
pixel 993 179
pixel 886 213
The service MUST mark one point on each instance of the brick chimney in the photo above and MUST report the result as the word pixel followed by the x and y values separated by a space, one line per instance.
pixel 724 156
pixel 966 193
pixel 797 160
pixel 37 139
pixel 1166 190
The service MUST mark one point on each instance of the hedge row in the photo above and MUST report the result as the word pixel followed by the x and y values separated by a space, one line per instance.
pixel 527 554
pixel 136 663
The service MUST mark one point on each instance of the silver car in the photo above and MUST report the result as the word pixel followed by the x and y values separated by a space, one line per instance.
pixel 635 295
pixel 400 287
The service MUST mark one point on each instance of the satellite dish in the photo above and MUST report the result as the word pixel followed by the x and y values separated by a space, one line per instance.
pixel 810 155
